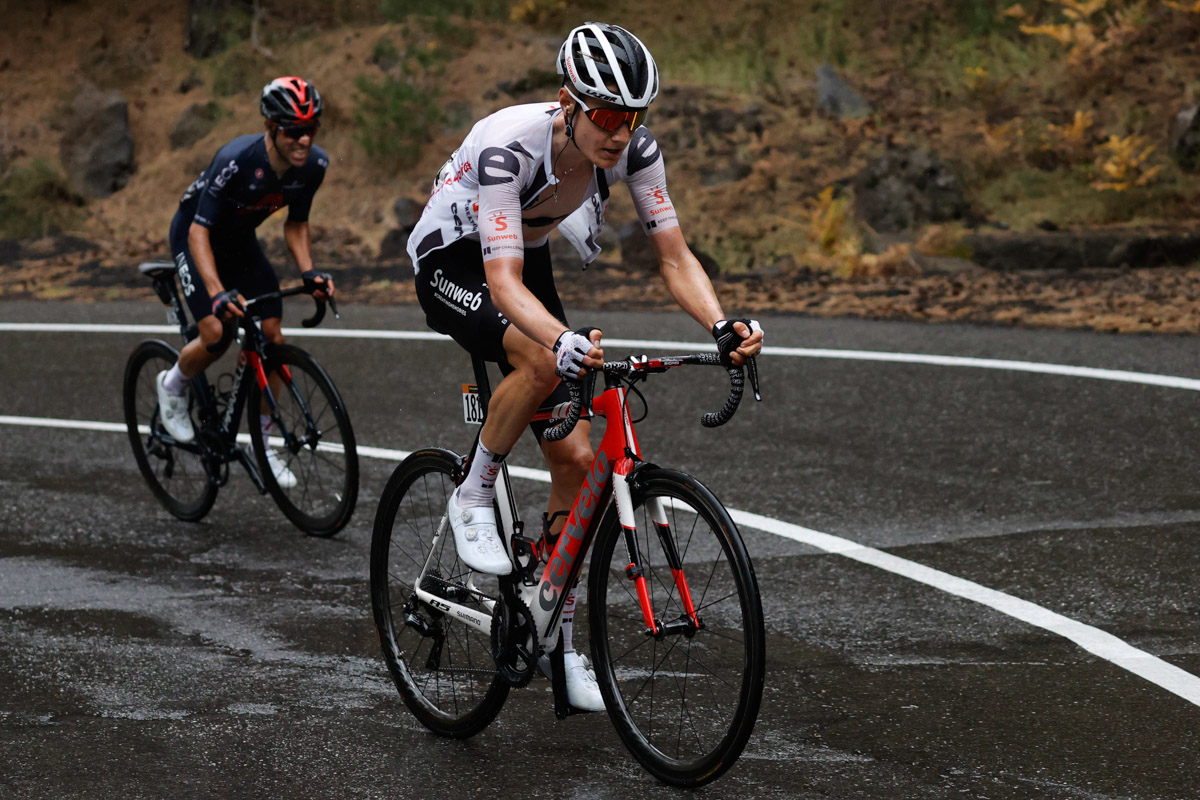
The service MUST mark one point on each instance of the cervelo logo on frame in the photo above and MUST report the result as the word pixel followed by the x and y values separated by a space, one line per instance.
pixel 554 578
pixel 458 294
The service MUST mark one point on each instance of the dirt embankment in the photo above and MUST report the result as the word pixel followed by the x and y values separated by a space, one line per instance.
pixel 773 156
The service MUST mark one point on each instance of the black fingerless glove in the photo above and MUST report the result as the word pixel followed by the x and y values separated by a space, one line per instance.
pixel 729 340
pixel 310 281
pixel 222 302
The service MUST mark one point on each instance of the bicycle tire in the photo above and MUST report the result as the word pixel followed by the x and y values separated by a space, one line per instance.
pixel 176 474
pixel 684 705
pixel 448 678
pixel 326 491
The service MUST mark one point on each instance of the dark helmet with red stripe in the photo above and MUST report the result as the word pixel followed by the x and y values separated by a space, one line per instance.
pixel 291 101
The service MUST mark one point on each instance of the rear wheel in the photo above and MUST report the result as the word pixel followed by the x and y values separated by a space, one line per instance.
pixel 442 667
pixel 683 701
pixel 176 473
pixel 309 462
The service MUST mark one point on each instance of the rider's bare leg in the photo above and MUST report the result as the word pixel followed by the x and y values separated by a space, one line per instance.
pixel 512 406
pixel 273 333
pixel 195 358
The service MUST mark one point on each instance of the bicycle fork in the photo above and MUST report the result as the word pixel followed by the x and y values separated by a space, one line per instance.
pixel 690 621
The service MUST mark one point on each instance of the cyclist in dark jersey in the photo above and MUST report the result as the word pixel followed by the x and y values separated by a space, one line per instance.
pixel 483 272
pixel 215 246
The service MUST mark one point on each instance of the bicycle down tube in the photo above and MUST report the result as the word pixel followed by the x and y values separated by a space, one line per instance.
pixel 617 457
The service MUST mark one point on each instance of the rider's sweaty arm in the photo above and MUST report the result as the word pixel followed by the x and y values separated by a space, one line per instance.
pixel 690 286
pixel 514 300
pixel 298 238
pixel 203 258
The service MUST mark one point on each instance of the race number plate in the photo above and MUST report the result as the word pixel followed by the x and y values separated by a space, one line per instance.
pixel 472 408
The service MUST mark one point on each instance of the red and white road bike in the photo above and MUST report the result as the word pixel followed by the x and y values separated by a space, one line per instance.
pixel 675 619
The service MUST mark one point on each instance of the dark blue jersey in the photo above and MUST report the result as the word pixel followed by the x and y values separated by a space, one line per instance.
pixel 240 189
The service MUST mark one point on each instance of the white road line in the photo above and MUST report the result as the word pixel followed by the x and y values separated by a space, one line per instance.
pixel 1095 641
pixel 1123 376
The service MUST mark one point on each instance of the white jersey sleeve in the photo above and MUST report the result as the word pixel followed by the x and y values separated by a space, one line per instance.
pixel 646 176
pixel 645 173
pixel 500 182
pixel 502 166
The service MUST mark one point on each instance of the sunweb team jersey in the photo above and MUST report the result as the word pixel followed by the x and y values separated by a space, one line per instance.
pixel 240 189
pixel 489 189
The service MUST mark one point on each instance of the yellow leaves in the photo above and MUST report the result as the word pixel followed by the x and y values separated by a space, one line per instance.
pixel 1003 139
pixel 1084 37
pixel 1074 9
pixel 1121 162
pixel 832 228
pixel 535 11
pixel 1075 134
pixel 896 260
pixel 1077 35
pixel 976 80
pixel 829 224
pixel 1194 8
pixel 1073 142
pixel 1126 164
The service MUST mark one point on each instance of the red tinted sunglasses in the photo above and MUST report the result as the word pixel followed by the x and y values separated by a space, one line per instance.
pixel 611 119
pixel 300 131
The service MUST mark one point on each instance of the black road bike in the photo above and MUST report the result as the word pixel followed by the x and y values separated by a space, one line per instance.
pixel 310 432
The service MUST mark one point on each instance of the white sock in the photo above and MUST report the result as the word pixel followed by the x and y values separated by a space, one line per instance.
pixel 568 619
pixel 479 488
pixel 176 382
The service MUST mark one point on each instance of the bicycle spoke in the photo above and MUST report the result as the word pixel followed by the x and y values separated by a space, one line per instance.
pixel 687 701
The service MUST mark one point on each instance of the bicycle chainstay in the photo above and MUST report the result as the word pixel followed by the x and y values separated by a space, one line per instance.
pixel 514 637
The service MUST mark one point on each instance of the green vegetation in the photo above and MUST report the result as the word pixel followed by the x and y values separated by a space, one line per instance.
pixel 385 54
pixel 401 10
pixel 393 118
pixel 36 201
pixel 239 70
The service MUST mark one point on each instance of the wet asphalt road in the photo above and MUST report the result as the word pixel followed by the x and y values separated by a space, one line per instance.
pixel 141 656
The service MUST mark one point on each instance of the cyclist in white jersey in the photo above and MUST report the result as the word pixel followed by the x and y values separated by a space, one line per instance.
pixel 483 274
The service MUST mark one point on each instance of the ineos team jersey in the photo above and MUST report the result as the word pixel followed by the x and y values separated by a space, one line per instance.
pixel 239 190
pixel 489 189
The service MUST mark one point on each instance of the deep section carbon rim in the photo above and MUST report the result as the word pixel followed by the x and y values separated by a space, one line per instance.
pixel 442 667
pixel 684 702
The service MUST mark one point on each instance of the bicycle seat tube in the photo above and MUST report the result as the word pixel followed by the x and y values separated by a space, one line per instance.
pixel 545 600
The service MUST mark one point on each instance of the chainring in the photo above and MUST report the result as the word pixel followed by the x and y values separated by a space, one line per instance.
pixel 513 637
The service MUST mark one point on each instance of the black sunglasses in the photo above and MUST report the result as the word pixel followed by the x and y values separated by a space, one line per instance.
pixel 299 131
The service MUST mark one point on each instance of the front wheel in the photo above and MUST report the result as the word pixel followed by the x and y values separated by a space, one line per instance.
pixel 309 461
pixel 684 701
pixel 442 667
pixel 176 473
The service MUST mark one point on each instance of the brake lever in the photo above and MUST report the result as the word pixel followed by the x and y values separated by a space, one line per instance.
pixel 752 374
pixel 333 307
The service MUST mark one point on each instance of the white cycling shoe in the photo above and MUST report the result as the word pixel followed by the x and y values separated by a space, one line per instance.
pixel 173 412
pixel 582 690
pixel 283 476
pixel 476 537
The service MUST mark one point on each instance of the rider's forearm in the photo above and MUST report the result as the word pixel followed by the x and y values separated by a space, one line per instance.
pixel 693 291
pixel 518 304
pixel 203 259
pixel 299 243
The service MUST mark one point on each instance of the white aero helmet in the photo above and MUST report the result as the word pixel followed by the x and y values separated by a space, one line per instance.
pixel 609 63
